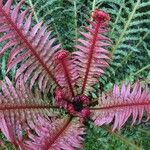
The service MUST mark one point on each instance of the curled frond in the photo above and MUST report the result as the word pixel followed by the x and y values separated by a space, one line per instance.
pixel 122 103
pixel 91 57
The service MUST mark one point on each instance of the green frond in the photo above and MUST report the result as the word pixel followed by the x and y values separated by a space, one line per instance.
pixel 129 31
pixel 136 138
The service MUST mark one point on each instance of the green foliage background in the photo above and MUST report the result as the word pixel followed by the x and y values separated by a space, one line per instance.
pixel 129 30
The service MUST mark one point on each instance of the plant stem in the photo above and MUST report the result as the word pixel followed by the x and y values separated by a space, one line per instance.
pixel 131 52
pixel 35 15
pixel 139 71
pixel 90 56
pixel 125 27
pixel 93 5
pixel 122 138
pixel 75 21
pixel 121 106
pixel 60 132
pixel 28 45
pixel 67 75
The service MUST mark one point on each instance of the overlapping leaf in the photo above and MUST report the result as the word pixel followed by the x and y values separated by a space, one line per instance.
pixel 122 103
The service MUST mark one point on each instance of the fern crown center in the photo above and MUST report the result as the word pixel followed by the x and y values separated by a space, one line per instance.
pixel 76 106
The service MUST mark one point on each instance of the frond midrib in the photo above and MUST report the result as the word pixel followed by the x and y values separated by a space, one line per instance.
pixel 123 139
pixel 60 132
pixel 125 27
pixel 122 106
pixel 26 106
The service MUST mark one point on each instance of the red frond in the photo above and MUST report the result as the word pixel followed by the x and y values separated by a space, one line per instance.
pixel 65 71
pixel 121 103
pixel 32 46
pixel 59 134
pixel 19 107
pixel 91 57
pixel 6 128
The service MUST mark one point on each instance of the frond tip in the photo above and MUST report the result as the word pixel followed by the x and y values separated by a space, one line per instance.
pixel 121 103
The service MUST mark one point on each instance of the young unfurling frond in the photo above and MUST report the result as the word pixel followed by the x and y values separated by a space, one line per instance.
pixel 59 134
pixel 91 57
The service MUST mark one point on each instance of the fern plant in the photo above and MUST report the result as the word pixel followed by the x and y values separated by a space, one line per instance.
pixel 48 105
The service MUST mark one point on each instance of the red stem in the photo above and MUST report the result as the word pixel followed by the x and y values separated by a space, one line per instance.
pixel 121 105
pixel 33 51
pixel 31 106
pixel 60 132
pixel 92 48
pixel 64 65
